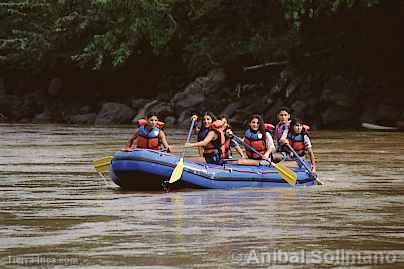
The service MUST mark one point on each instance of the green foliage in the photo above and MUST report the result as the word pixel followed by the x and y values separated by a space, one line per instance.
pixel 125 28
pixel 107 34
pixel 23 45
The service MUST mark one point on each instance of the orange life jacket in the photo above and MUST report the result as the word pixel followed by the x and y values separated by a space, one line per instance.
pixel 148 139
pixel 257 141
pixel 296 141
pixel 218 145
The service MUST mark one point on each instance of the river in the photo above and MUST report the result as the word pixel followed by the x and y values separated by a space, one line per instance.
pixel 55 211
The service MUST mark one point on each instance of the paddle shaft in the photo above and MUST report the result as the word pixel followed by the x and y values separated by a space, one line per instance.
pixel 298 158
pixel 188 137
pixel 303 163
pixel 177 172
pixel 288 175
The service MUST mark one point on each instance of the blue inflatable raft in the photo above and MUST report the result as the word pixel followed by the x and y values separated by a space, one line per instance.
pixel 143 169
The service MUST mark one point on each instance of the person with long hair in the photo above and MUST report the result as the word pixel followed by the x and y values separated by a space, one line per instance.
pixel 211 139
pixel 207 119
pixel 258 138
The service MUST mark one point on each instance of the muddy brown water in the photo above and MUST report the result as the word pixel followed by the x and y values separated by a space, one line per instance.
pixel 56 212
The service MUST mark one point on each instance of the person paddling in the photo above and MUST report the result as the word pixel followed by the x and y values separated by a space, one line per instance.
pixel 212 143
pixel 203 130
pixel 150 135
pixel 297 137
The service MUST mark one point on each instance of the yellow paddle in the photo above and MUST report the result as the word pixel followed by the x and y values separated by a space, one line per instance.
pixel 103 164
pixel 177 172
pixel 288 175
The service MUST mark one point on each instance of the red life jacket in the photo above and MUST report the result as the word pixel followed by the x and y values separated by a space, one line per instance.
pixel 296 141
pixel 268 127
pixel 148 139
pixel 257 141
pixel 218 145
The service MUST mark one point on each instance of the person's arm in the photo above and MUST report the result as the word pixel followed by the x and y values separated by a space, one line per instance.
pixel 239 151
pixel 284 139
pixel 309 149
pixel 313 161
pixel 236 146
pixel 163 139
pixel 270 146
pixel 211 136
pixel 270 142
pixel 200 151
pixel 132 139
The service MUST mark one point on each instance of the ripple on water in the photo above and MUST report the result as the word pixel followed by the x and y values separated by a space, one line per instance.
pixel 52 203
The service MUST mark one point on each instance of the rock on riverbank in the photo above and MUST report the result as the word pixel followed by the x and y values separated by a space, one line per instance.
pixel 323 101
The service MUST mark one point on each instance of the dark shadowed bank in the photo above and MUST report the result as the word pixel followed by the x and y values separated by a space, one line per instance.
pixel 323 101
pixel 335 63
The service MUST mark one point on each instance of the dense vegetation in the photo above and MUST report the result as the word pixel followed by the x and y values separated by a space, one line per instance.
pixel 159 45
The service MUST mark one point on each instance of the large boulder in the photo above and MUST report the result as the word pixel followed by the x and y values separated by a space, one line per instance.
pixel 192 96
pixel 143 111
pixel 86 109
pixel 44 117
pixel 195 94
pixel 339 116
pixel 9 105
pixel 169 121
pixel 29 107
pixel 138 103
pixel 162 109
pixel 184 119
pixel 231 109
pixel 3 118
pixel 114 113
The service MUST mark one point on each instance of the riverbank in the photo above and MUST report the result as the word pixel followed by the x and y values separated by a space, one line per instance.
pixel 323 101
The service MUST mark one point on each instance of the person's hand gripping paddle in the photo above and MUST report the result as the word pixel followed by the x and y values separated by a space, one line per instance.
pixel 177 172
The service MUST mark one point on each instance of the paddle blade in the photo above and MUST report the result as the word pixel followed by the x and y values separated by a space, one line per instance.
pixel 288 175
pixel 177 172
pixel 103 164
pixel 319 182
